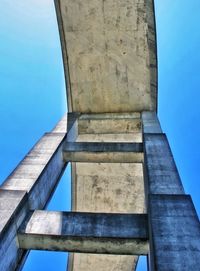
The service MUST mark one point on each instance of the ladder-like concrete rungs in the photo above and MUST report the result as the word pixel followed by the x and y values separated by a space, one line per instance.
pixel 85 232
pixel 103 152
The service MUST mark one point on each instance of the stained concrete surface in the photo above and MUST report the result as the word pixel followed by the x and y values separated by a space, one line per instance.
pixel 109 55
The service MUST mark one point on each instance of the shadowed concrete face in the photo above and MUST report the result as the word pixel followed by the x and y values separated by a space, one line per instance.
pixel 125 234
pixel 109 54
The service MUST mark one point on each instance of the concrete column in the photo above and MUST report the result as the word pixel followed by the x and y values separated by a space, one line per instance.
pixel 29 186
pixel 174 228
pixel 161 172
pixel 175 233
pixel 150 122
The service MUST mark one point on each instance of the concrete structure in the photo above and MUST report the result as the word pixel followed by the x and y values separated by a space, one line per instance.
pixel 127 196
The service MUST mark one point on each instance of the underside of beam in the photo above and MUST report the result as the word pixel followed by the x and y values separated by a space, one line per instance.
pixel 123 234
pixel 103 152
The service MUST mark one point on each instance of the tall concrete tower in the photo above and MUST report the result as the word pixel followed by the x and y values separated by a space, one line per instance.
pixel 127 196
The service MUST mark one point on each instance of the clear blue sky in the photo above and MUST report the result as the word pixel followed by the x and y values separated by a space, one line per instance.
pixel 32 91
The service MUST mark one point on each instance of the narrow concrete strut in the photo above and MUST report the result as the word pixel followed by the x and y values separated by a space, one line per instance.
pixel 85 232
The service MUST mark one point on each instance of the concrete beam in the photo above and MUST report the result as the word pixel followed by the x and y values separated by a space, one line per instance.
pixel 85 232
pixel 175 233
pixel 110 123
pixel 160 169
pixel 102 152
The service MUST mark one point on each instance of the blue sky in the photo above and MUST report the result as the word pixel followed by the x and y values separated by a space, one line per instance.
pixel 32 92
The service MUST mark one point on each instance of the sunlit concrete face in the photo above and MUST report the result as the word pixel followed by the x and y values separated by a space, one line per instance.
pixel 91 262
pixel 109 54
pixel 107 187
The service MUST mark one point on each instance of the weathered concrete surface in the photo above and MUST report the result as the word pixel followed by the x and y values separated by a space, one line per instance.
pixel 135 137
pixel 107 185
pixel 150 123
pixel 41 168
pixel 111 188
pixel 29 186
pixel 175 233
pixel 112 127
pixel 102 147
pixel 113 124
pixel 82 262
pixel 13 209
pixel 85 232
pixel 109 53
pixel 162 174
pixel 102 152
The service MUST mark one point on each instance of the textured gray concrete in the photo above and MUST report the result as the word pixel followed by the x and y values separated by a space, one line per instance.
pixel 13 210
pixel 72 126
pixel 103 152
pixel 85 232
pixel 102 147
pixel 110 62
pixel 41 167
pixel 109 123
pixel 107 182
pixel 109 52
pixel 175 233
pixel 160 167
pixel 29 186
pixel 150 123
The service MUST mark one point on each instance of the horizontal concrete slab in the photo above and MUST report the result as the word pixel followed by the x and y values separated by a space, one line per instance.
pixel 124 234
pixel 102 152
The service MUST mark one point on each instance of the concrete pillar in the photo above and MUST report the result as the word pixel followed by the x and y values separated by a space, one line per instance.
pixel 161 171
pixel 175 233
pixel 13 210
pixel 29 186
pixel 174 228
